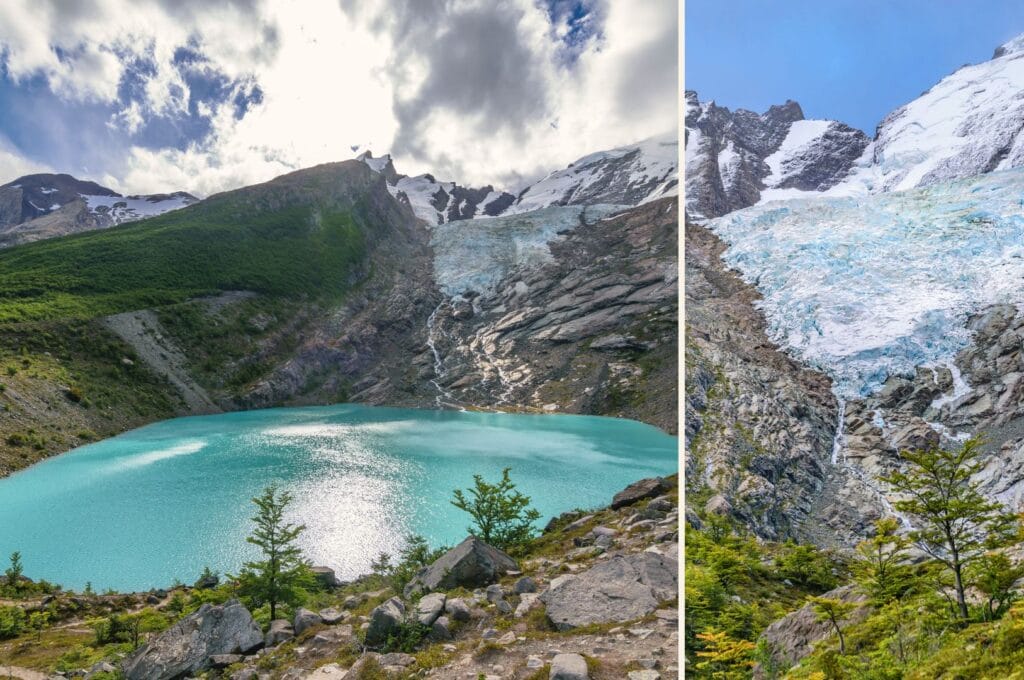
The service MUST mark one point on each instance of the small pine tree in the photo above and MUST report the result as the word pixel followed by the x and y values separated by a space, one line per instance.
pixel 284 575
pixel 14 572
pixel 502 516
pixel 832 610
pixel 956 524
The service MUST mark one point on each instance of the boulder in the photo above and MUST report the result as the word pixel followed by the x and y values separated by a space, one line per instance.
pixel 494 593
pixel 306 619
pixel 430 607
pixel 383 620
pixel 325 577
pixel 525 585
pixel 569 667
pixel 186 647
pixel 622 588
pixel 791 638
pixel 638 491
pixel 470 564
pixel 280 631
pixel 441 629
pixel 207 582
pixel 331 616
pixel 457 609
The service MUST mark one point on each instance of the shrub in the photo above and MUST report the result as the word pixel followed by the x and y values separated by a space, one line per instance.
pixel 502 516
pixel 12 622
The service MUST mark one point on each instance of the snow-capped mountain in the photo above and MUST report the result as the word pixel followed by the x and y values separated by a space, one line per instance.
pixel 736 158
pixel 970 123
pixel 628 176
pixel 41 206
pixel 434 201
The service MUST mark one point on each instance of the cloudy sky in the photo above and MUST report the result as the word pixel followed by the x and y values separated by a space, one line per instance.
pixel 206 96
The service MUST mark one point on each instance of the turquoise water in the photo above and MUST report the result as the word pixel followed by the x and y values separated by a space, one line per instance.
pixel 161 502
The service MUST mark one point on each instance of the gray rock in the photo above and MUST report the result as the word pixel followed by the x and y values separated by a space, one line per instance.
pixel 494 593
pixel 430 607
pixel 440 629
pixel 325 577
pixel 225 660
pixel 397 659
pixel 525 585
pixel 503 606
pixel 718 505
pixel 619 589
pixel 457 609
pixel 569 667
pixel 280 631
pixel 331 616
pixel 646 674
pixel 526 602
pixel 638 491
pixel 661 505
pixel 186 647
pixel 306 619
pixel 793 637
pixel 383 620
pixel 245 674
pixel 470 564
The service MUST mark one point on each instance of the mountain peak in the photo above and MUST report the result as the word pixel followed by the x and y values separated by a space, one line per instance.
pixel 1014 46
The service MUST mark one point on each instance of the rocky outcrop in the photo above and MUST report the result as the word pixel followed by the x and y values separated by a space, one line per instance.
pixel 621 588
pixel 638 491
pixel 760 427
pixel 732 156
pixel 187 646
pixel 470 564
pixel 793 637
pixel 591 330
pixel 384 620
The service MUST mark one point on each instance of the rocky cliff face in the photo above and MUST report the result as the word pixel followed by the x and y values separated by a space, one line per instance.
pixel 589 329
pixel 733 157
pixel 759 426
pixel 36 207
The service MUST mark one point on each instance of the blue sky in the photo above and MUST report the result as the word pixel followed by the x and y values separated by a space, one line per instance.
pixel 849 60
pixel 168 95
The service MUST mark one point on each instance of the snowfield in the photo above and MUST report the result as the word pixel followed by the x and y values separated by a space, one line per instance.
pixel 864 287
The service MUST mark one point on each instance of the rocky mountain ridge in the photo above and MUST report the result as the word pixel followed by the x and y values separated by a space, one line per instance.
pixel 967 124
pixel 43 206
pixel 626 176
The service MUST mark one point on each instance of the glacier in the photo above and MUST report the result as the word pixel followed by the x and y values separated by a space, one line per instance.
pixel 863 287
pixel 475 255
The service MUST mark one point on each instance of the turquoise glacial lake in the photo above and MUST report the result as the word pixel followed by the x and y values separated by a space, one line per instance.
pixel 159 503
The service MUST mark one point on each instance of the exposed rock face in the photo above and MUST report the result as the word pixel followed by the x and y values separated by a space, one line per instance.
pixel 470 564
pixel 618 589
pixel 539 340
pixel 187 646
pixel 793 637
pixel 759 426
pixel 732 156
pixel 638 491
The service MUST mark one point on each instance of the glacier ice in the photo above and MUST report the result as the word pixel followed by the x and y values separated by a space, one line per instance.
pixel 865 287
pixel 475 255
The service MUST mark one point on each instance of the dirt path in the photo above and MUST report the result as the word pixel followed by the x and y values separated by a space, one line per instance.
pixel 142 330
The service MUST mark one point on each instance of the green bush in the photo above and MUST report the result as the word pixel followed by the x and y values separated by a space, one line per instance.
pixel 12 622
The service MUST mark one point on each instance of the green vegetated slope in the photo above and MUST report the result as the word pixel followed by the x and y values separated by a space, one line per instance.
pixel 300 235
pixel 293 244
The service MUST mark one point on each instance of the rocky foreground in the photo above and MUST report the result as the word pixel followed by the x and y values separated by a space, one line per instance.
pixel 594 597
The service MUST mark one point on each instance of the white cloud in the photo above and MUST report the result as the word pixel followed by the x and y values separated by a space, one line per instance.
pixel 14 164
pixel 471 90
